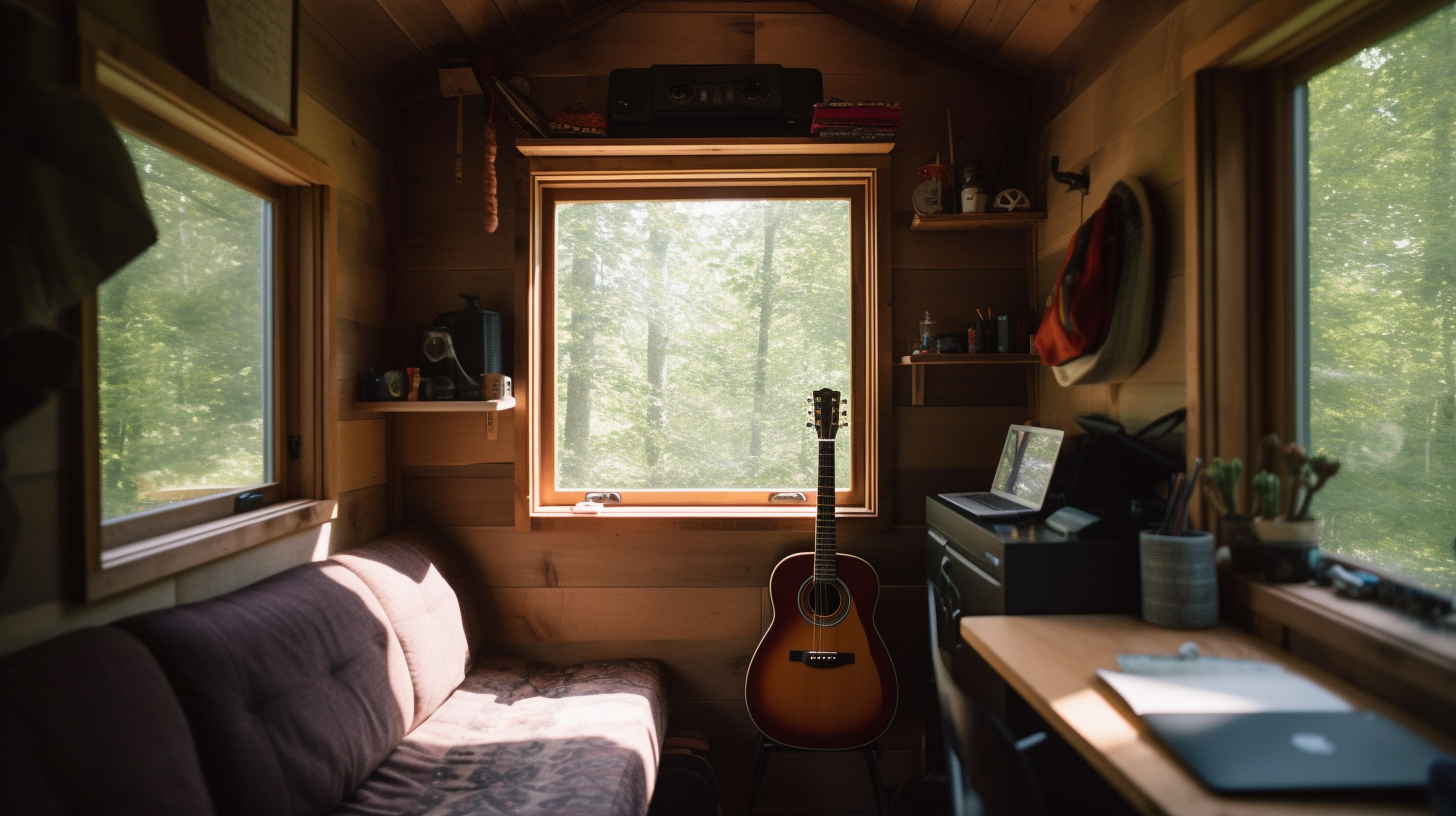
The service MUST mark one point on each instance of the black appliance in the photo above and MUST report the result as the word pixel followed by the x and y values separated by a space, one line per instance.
pixel 457 349
pixel 712 100
pixel 1026 568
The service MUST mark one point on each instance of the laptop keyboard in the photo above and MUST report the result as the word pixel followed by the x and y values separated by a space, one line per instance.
pixel 995 502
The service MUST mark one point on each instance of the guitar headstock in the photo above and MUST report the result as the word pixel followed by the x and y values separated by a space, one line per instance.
pixel 827 413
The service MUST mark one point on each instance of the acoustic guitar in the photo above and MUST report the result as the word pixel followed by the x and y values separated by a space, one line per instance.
pixel 821 678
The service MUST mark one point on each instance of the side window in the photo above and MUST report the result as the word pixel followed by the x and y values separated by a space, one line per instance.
pixel 1379 292
pixel 184 338
pixel 200 425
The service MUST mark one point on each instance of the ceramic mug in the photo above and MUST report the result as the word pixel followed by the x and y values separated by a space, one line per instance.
pixel 1288 550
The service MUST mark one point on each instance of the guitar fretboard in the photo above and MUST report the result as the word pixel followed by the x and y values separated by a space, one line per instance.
pixel 824 517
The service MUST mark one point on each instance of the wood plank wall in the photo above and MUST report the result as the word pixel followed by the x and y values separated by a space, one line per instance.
pixel 1112 104
pixel 696 597
pixel 342 119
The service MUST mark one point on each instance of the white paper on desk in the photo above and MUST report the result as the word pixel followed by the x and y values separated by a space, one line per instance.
pixel 1221 694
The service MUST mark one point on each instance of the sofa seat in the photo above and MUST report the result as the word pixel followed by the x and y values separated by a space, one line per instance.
pixel 522 738
pixel 345 686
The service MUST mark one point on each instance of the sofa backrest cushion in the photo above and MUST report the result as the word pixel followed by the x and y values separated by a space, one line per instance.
pixel 423 610
pixel 89 725
pixel 295 687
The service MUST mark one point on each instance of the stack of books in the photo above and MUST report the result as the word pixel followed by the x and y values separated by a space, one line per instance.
pixel 856 121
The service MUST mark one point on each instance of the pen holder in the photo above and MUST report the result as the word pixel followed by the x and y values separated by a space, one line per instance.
pixel 1179 579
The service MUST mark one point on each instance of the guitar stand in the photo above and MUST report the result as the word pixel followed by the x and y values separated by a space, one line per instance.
pixel 767 746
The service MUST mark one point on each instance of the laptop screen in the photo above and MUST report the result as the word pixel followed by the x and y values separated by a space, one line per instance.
pixel 1027 460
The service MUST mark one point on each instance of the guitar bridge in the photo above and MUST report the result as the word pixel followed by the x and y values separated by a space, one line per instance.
pixel 821 660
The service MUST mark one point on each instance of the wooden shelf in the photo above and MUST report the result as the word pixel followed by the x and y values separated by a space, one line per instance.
pixel 437 406
pixel 919 362
pixel 736 146
pixel 978 221
pixel 967 359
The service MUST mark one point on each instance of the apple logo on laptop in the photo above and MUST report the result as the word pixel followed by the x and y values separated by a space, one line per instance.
pixel 1312 743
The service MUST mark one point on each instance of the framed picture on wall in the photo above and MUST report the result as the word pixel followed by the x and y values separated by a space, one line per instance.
pixel 245 51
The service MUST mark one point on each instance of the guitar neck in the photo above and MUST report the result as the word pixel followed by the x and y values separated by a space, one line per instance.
pixel 824 517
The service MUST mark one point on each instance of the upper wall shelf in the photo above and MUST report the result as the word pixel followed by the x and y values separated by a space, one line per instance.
pixel 978 221
pixel 741 146
pixel 436 406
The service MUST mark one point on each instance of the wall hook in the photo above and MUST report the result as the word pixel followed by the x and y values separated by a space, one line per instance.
pixel 1074 181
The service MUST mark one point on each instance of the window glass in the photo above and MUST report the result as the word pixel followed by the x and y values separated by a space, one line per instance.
pixel 184 357
pixel 1381 248
pixel 689 336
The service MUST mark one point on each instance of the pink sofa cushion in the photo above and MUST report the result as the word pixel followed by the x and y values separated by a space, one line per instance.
pixel 530 739
pixel 88 725
pixel 296 688
pixel 422 609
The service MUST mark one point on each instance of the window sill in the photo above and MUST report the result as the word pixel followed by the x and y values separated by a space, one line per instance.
pixel 799 517
pixel 152 559
pixel 1378 638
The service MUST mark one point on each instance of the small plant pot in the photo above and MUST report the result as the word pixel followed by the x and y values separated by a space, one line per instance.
pixel 1289 551
pixel 1236 533
pixel 1179 579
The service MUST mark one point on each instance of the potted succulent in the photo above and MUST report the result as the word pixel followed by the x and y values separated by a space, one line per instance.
pixel 1221 482
pixel 1289 535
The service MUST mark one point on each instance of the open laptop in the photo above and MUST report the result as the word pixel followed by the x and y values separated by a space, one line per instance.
pixel 1023 475
pixel 1296 750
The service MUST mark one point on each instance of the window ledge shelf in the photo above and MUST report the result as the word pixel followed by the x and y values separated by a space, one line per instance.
pixel 150 559
pixel 743 146
pixel 977 221
pixel 1401 646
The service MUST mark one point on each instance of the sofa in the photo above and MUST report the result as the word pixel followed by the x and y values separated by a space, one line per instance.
pixel 345 686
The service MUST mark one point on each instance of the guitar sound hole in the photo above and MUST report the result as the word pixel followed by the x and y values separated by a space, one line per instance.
pixel 823 603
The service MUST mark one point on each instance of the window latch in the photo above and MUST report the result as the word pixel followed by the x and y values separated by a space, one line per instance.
pixel 788 498
pixel 605 497
pixel 295 448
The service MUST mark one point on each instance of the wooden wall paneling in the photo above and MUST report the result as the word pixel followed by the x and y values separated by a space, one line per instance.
pixel 511 614
pixel 360 461
pixel 359 164
pixel 336 79
pixel 38 571
pixel 1025 49
pixel 836 46
pixel 985 250
pixel 895 12
pixel 939 21
pixel 362 232
pixel 608 557
pixel 432 28
pixel 361 292
pixel 455 439
pixel 987 26
pixel 374 40
pixel 361 517
pixel 356 347
pixel 935 437
pixel 484 22
pixel 633 40
pixel 458 496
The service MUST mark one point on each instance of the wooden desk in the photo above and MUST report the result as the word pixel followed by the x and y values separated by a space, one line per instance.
pixel 1051 661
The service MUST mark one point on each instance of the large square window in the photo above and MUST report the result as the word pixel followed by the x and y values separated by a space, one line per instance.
pixel 682 325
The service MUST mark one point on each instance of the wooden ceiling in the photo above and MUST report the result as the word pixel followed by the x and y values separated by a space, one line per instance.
pixel 402 42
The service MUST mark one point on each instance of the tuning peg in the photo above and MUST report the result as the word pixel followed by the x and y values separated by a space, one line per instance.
pixel 808 424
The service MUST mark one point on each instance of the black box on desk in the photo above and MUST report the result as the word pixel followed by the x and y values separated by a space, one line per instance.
pixel 1026 568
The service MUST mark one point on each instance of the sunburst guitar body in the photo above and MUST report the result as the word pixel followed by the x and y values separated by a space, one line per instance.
pixel 821 677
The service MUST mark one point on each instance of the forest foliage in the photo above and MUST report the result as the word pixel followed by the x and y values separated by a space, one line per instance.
pixel 181 335
pixel 1382 299
pixel 689 336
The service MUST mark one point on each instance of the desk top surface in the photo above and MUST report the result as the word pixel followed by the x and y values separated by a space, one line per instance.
pixel 1052 661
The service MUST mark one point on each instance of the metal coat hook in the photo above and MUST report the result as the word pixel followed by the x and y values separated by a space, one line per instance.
pixel 1074 181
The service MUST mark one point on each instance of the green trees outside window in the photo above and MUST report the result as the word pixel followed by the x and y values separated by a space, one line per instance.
pixel 689 335
pixel 1381 201
pixel 183 344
